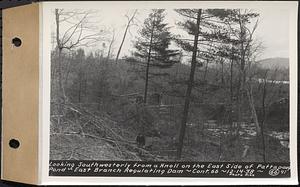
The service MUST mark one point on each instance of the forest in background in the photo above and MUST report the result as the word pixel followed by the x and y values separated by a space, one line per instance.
pixel 207 99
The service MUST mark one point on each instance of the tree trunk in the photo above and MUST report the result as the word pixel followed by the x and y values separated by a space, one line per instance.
pixel 60 94
pixel 204 78
pixel 263 118
pixel 189 89
pixel 121 45
pixel 124 35
pixel 110 46
pixel 67 74
pixel 231 78
pixel 259 131
pixel 79 90
pixel 57 28
pixel 253 110
pixel 148 65
pixel 222 71
pixel 231 116
pixel 205 71
pixel 242 77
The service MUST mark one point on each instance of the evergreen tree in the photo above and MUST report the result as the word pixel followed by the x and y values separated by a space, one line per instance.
pixel 207 32
pixel 153 44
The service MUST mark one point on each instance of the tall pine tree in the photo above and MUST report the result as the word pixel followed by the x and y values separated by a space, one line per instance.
pixel 206 33
pixel 152 45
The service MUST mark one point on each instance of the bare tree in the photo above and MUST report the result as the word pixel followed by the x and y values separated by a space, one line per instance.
pixel 245 54
pixel 112 40
pixel 73 30
pixel 238 24
pixel 130 22
pixel 266 98
pixel 263 118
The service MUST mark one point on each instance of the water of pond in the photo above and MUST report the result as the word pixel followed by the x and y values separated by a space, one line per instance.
pixel 248 132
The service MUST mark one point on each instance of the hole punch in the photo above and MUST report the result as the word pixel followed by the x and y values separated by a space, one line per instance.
pixel 13 143
pixel 17 42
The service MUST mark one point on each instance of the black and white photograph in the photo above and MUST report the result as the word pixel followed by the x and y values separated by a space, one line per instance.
pixel 194 85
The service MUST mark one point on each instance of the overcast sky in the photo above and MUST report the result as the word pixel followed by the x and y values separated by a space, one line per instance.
pixel 273 28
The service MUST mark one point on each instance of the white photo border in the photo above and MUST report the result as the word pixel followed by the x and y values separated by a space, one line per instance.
pixel 45 67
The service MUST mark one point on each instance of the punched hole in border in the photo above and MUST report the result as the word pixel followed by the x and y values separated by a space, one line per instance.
pixel 13 143
pixel 17 42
